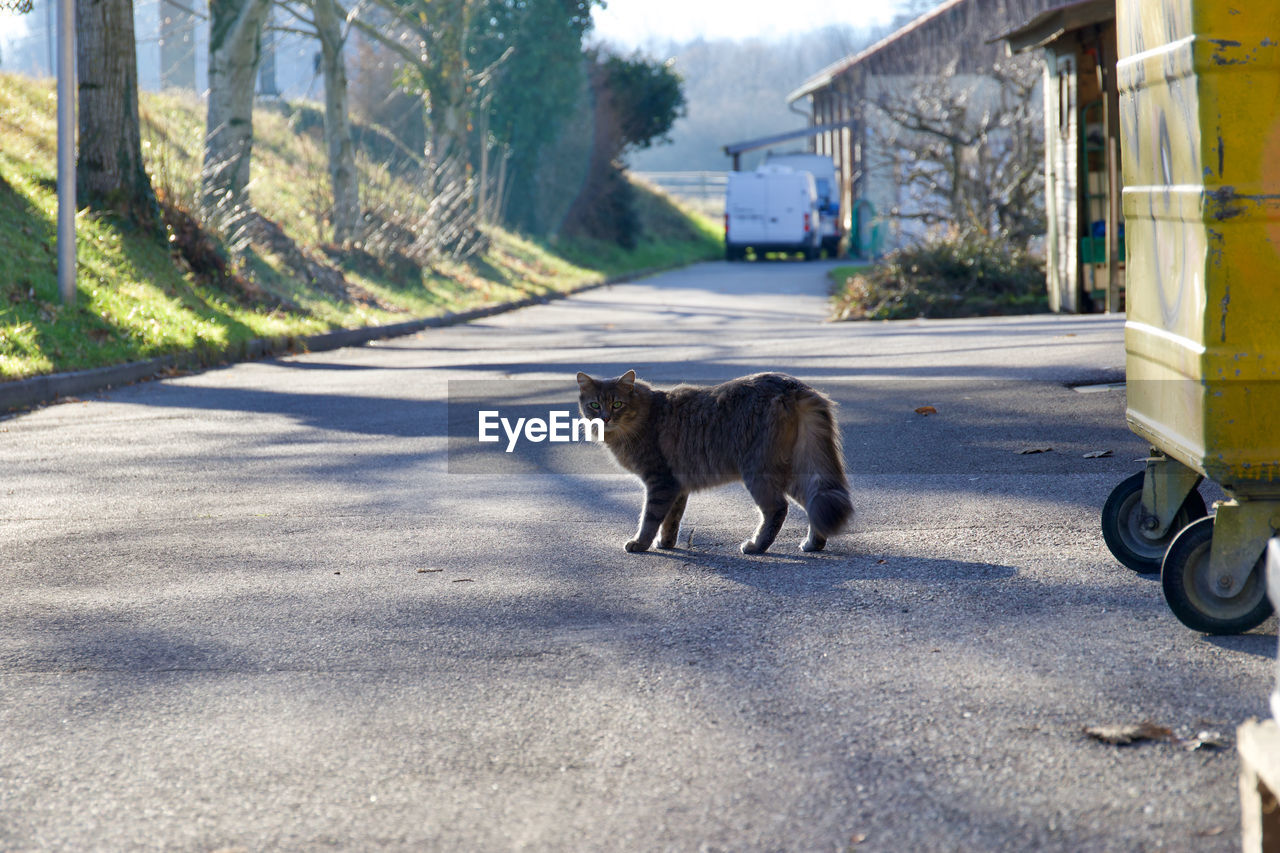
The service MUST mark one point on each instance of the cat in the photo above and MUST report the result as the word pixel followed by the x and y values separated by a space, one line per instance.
pixel 769 430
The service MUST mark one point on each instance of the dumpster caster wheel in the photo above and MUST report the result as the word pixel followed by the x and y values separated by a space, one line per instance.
pixel 1191 592
pixel 1122 527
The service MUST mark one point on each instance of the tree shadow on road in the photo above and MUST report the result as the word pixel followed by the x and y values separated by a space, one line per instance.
pixel 336 412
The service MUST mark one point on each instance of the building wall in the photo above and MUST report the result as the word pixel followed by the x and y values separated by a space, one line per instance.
pixel 960 36
pixel 888 150
pixel 1081 141
pixel 1061 145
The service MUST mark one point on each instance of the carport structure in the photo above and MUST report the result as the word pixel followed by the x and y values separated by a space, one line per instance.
pixel 1085 236
pixel 959 37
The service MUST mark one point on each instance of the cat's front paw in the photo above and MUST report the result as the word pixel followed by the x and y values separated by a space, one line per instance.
pixel 667 542
pixel 813 544
pixel 750 547
pixel 635 546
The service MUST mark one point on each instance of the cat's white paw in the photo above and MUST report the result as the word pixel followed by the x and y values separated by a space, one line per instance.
pixel 750 547
pixel 635 545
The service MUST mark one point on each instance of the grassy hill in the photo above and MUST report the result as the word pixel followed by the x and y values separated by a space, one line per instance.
pixel 141 295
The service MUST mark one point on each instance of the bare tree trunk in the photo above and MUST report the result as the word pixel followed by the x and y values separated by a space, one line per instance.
pixel 451 95
pixel 337 122
pixel 482 188
pixel 501 192
pixel 235 48
pixel 448 125
pixel 109 170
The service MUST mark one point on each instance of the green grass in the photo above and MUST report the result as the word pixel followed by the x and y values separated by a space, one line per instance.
pixel 136 299
pixel 671 235
pixel 841 275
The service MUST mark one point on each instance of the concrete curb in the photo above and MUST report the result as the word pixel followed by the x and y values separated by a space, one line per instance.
pixel 39 390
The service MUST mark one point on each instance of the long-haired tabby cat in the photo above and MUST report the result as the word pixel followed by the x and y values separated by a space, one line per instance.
pixel 772 431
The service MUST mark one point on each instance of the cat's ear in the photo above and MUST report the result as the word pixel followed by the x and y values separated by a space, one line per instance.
pixel 627 381
pixel 585 382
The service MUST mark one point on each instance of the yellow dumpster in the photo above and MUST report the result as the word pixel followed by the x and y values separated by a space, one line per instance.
pixel 1199 84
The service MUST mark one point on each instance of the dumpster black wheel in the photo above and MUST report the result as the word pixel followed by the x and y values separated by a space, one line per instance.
pixel 1122 526
pixel 1190 588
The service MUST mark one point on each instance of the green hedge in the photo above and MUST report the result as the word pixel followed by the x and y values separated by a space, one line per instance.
pixel 951 277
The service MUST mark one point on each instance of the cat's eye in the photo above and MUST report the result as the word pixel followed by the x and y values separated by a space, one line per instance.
pixel 617 404
pixel 594 405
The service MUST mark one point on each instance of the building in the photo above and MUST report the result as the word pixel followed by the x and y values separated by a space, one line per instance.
pixel 959 42
pixel 1085 235
pixel 952 42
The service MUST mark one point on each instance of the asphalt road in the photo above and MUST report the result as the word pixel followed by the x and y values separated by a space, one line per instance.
pixel 276 607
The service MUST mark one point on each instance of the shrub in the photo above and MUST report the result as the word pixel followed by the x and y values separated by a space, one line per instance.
pixel 968 276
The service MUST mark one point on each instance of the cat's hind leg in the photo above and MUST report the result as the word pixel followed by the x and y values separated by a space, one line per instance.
pixel 814 541
pixel 772 502
pixel 671 524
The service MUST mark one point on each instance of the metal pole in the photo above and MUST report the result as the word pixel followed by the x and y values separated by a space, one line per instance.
pixel 67 151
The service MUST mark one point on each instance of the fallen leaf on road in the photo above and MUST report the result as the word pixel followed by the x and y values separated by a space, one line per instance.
pixel 463 580
pixel 1125 734
pixel 1024 451
pixel 1097 454
pixel 424 571
pixel 926 410
pixel 1209 833
pixel 857 838
pixel 1203 740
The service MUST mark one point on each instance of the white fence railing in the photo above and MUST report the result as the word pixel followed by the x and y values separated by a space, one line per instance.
pixel 704 190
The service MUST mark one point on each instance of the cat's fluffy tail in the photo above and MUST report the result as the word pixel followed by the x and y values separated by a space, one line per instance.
pixel 818 468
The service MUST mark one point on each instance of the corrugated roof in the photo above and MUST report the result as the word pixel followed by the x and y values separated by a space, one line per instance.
pixel 826 75
pixel 752 144
pixel 1051 25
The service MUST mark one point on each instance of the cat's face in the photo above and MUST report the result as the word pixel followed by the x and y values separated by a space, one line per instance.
pixel 610 400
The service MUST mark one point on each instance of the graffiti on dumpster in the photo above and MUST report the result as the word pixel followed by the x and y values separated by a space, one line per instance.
pixel 1199 87
pixel 1162 171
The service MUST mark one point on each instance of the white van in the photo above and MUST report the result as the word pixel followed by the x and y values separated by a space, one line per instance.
pixel 773 209
pixel 823 169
